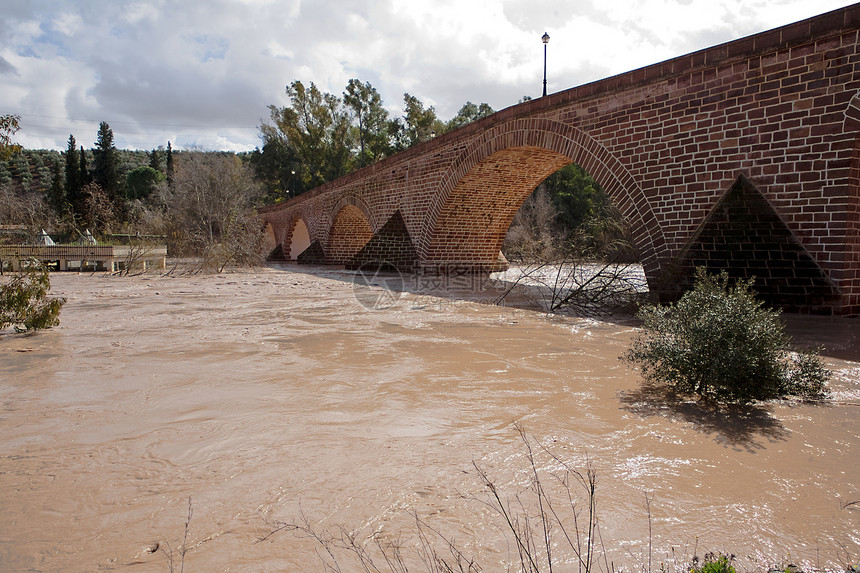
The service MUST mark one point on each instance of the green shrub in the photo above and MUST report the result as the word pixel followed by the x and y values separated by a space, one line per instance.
pixel 24 303
pixel 714 564
pixel 718 341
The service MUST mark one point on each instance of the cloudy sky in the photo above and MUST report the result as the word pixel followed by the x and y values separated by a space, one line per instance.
pixel 203 72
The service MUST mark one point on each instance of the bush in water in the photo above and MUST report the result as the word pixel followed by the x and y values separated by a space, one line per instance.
pixel 720 343
pixel 24 303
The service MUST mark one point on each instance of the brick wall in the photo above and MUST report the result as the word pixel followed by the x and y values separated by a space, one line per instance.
pixel 668 142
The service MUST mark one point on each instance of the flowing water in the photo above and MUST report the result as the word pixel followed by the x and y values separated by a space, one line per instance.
pixel 249 400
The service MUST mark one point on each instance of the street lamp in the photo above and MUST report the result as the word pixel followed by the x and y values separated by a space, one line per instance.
pixel 545 39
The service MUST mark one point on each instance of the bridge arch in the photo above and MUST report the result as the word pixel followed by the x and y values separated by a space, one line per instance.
pixel 350 231
pixel 482 191
pixel 298 238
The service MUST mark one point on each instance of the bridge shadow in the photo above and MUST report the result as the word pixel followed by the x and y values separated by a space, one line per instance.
pixel 740 427
pixel 836 336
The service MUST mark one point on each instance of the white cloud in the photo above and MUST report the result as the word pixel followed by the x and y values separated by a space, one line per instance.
pixel 68 24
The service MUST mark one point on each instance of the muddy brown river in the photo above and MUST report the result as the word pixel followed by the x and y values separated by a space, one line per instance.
pixel 274 396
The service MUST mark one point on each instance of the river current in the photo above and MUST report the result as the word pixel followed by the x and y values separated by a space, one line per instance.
pixel 237 403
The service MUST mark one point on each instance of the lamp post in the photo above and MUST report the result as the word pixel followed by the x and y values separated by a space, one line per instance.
pixel 545 39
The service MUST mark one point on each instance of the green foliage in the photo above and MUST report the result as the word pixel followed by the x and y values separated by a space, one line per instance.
pixel 421 124
pixel 9 126
pixel 73 175
pixel 276 167
pixel 719 342
pixel 19 165
pixel 580 222
pixel 57 193
pixel 84 174
pixel 714 564
pixel 24 303
pixel 141 181
pixel 155 159
pixel 318 128
pixel 170 167
pixel 320 137
pixel 105 164
pixel 577 196
pixel 365 105
pixel 467 114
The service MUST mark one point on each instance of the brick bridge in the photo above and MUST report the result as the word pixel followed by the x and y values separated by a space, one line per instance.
pixel 742 156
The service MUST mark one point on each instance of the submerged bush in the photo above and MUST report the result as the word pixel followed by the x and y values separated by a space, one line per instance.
pixel 714 564
pixel 719 342
pixel 24 302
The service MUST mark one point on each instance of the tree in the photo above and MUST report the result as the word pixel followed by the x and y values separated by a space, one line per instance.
pixel 467 114
pixel 84 172
pixel 57 194
pixel 22 208
pixel 9 126
pixel 20 168
pixel 577 196
pixel 99 211
pixel 73 176
pixel 141 181
pixel 420 124
pixel 276 167
pixel 170 167
pixel 105 170
pixel 533 235
pixel 24 303
pixel 365 103
pixel 720 343
pixel 318 128
pixel 211 212
pixel 40 171
pixel 155 159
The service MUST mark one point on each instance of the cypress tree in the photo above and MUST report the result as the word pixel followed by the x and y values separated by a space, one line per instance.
pixel 84 173
pixel 57 194
pixel 105 170
pixel 73 174
pixel 171 168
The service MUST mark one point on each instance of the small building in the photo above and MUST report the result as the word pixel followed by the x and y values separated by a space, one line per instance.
pixel 44 239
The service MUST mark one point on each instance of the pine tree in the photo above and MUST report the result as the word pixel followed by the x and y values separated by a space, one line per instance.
pixel 42 174
pixel 20 168
pixel 5 174
pixel 105 169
